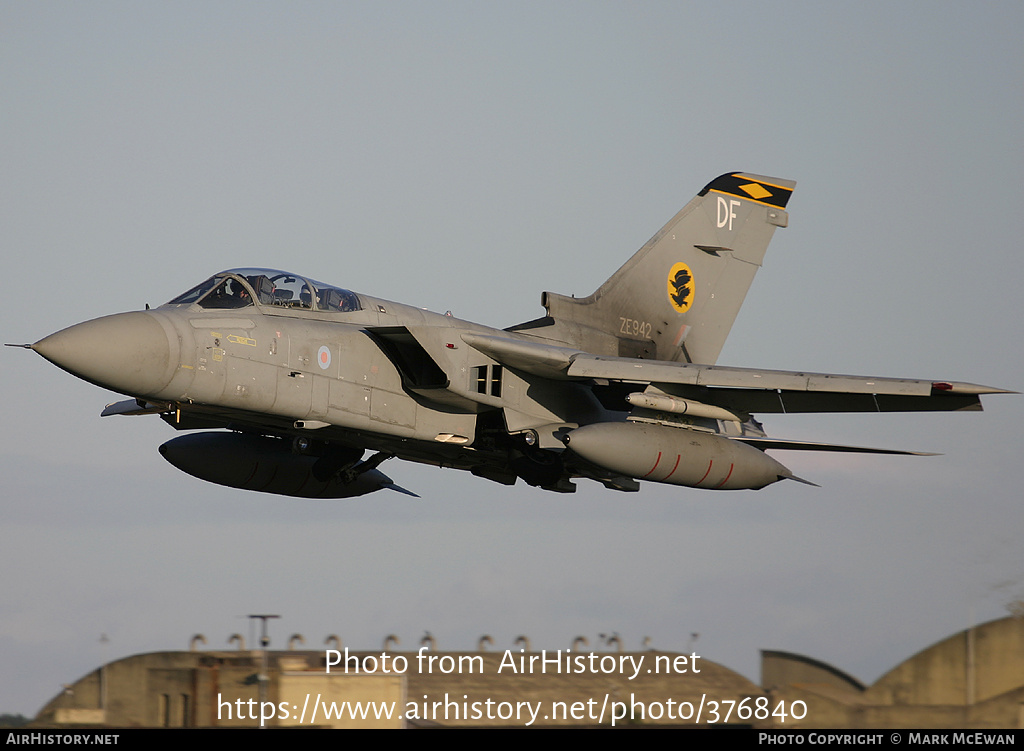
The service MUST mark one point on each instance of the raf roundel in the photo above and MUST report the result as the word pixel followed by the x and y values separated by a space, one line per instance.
pixel 323 358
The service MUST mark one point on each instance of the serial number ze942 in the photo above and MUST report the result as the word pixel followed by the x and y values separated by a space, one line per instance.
pixel 633 327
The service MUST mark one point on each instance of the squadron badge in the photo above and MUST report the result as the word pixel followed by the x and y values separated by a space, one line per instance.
pixel 680 287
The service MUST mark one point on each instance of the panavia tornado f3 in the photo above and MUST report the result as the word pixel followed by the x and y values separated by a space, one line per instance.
pixel 284 384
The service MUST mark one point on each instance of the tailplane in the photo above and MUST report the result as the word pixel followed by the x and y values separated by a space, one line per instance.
pixel 677 297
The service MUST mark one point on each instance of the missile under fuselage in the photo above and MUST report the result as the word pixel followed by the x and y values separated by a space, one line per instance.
pixel 266 465
pixel 677 456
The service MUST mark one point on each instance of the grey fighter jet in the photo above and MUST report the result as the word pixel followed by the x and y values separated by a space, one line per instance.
pixel 282 384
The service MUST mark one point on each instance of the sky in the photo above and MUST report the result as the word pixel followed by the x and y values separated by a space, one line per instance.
pixel 467 156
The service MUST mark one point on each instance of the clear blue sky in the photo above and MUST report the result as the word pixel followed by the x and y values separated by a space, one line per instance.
pixel 468 156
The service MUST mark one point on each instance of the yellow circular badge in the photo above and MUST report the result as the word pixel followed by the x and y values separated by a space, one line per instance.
pixel 680 287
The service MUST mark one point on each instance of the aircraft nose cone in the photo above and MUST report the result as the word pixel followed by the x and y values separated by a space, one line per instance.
pixel 129 353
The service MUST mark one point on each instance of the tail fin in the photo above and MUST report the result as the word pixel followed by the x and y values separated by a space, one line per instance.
pixel 677 297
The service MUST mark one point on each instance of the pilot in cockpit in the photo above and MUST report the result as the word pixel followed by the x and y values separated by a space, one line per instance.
pixel 229 294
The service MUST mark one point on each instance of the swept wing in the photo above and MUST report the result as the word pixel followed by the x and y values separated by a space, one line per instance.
pixel 739 389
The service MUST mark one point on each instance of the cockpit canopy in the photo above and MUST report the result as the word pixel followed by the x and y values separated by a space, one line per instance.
pixel 238 288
